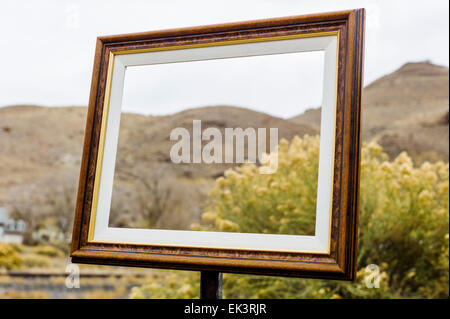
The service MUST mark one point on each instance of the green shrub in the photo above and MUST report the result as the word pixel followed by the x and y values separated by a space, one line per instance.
pixel 404 225
pixel 49 251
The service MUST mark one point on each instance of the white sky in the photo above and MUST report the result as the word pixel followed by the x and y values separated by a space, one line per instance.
pixel 47 47
pixel 279 84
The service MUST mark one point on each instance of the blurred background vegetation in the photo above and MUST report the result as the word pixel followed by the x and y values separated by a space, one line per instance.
pixel 404 208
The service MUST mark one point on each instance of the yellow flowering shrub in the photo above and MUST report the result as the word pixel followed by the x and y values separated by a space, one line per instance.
pixel 403 226
pixel 9 258
pixel 404 222
pixel 282 203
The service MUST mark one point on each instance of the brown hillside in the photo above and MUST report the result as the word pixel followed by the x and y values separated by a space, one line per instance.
pixel 405 110
pixel 152 135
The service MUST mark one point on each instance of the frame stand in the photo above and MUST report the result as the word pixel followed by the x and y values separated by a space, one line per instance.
pixel 210 285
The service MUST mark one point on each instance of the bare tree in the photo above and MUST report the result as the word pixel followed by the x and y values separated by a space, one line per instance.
pixel 157 193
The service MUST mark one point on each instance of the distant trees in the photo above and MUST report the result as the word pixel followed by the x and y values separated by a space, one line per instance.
pixel 49 202
pixel 150 197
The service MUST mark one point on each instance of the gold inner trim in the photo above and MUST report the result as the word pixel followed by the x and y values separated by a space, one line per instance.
pixel 190 46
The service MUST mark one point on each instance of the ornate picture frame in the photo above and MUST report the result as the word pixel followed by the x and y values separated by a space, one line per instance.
pixel 331 252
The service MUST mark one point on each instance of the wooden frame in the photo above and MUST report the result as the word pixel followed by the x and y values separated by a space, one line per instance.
pixel 339 260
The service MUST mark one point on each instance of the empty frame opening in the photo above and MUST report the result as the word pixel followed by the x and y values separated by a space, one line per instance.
pixel 212 177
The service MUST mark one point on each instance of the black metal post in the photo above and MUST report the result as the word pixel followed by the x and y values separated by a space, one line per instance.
pixel 211 285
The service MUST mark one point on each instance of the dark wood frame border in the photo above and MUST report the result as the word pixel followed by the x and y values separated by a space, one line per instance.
pixel 340 263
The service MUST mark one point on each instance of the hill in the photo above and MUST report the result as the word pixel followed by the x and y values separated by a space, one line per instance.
pixel 146 139
pixel 406 110
pixel 41 148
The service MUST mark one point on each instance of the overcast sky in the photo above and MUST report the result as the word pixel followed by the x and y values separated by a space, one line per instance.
pixel 47 47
